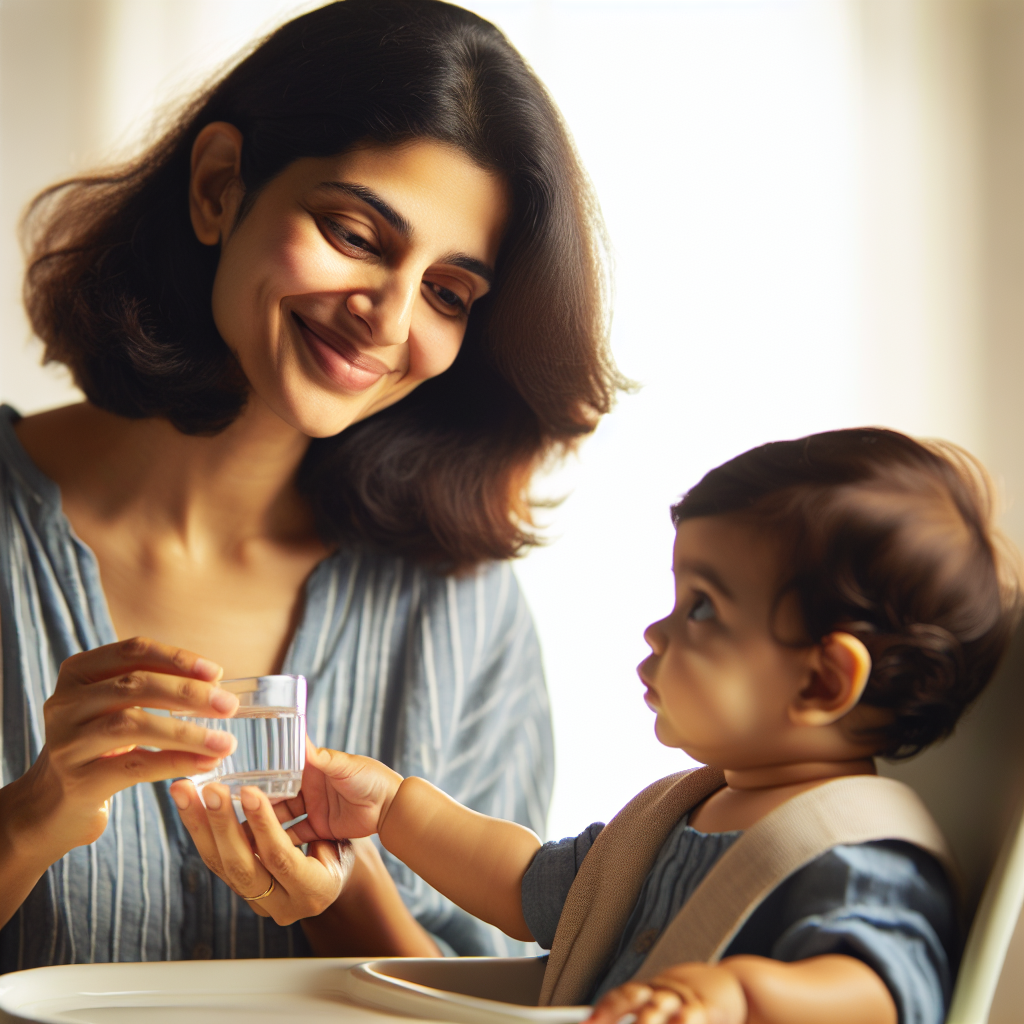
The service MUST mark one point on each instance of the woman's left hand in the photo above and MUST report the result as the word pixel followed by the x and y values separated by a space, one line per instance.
pixel 299 885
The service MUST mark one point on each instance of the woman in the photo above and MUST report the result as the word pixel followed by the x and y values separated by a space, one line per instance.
pixel 326 326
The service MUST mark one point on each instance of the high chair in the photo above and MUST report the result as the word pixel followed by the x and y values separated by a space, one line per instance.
pixel 972 783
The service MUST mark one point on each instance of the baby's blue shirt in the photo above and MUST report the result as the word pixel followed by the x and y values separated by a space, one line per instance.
pixel 886 903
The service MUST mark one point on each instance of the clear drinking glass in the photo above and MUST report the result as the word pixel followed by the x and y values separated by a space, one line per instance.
pixel 270 725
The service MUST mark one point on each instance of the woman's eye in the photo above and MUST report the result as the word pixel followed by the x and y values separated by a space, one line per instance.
pixel 347 237
pixel 447 296
pixel 702 609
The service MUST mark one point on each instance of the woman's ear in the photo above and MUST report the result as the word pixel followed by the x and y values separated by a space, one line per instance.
pixel 215 188
pixel 839 673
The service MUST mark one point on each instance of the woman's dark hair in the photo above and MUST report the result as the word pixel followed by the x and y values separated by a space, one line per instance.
pixel 892 540
pixel 119 288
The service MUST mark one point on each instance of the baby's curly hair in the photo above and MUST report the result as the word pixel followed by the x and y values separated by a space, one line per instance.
pixel 892 540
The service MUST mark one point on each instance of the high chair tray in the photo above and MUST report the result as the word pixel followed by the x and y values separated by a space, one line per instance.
pixel 469 990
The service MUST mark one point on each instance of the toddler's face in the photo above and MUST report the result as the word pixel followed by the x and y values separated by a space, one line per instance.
pixel 720 682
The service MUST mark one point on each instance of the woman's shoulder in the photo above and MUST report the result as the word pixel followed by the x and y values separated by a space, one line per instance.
pixel 489 587
pixel 21 474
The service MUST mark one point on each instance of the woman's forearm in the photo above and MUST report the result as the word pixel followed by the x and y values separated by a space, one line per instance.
pixel 369 917
pixel 837 989
pixel 478 862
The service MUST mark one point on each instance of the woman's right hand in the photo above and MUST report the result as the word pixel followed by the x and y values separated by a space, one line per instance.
pixel 97 734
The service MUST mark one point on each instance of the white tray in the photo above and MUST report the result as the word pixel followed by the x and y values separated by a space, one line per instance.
pixel 310 991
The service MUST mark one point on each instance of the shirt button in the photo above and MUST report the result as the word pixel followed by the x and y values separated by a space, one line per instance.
pixel 645 940
pixel 201 951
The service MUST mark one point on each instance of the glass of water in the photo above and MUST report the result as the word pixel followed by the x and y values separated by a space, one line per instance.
pixel 270 726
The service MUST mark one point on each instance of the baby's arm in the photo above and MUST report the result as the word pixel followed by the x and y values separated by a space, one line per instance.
pixel 476 861
pixel 755 990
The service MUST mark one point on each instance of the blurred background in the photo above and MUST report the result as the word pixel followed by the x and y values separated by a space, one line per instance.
pixel 816 209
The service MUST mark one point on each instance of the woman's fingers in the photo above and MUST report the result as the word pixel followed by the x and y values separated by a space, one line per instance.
pixel 131 727
pixel 239 866
pixel 312 883
pixel 112 774
pixel 139 688
pixel 303 886
pixel 138 653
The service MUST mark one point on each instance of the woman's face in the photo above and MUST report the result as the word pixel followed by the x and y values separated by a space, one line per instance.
pixel 350 280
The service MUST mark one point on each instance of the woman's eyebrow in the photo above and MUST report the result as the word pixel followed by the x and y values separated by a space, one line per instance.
pixel 368 196
pixel 706 571
pixel 470 263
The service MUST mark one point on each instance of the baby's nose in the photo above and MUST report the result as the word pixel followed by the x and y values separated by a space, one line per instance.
pixel 655 637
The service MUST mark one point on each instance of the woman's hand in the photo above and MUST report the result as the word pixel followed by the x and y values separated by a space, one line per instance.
pixel 684 994
pixel 344 796
pixel 96 731
pixel 295 885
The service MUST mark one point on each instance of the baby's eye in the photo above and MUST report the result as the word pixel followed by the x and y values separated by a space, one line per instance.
pixel 702 609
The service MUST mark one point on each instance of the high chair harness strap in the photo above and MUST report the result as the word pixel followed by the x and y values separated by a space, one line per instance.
pixel 856 809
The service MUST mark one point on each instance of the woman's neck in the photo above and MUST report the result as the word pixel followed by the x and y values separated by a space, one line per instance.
pixel 203 491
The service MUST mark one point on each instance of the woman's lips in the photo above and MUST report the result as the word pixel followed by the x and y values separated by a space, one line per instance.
pixel 340 359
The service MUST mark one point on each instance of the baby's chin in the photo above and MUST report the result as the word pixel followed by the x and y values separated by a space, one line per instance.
pixel 666 735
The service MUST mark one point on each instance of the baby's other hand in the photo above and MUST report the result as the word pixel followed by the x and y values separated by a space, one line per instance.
pixel 344 796
pixel 684 994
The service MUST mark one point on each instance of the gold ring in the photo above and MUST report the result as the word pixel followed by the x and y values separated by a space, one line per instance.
pixel 262 895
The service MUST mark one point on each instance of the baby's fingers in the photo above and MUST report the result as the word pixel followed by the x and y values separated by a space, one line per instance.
pixel 665 1006
pixel 625 999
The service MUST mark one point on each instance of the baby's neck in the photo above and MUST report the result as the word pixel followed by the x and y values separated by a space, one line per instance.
pixel 751 793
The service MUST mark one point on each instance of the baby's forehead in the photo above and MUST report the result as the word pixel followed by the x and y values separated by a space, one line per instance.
pixel 729 552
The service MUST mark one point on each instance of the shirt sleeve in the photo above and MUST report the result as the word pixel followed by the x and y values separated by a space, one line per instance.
pixel 548 879
pixel 888 904
pixel 482 726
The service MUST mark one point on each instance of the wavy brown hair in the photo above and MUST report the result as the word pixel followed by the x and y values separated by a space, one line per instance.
pixel 892 540
pixel 119 288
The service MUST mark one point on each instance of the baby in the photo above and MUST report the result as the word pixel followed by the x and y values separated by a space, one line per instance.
pixel 838 597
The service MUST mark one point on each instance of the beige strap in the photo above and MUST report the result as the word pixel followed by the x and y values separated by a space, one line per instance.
pixel 858 809
pixel 609 881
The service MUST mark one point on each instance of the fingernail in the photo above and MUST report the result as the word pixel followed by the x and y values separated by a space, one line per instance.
pixel 222 701
pixel 211 799
pixel 219 740
pixel 250 798
pixel 205 667
pixel 180 798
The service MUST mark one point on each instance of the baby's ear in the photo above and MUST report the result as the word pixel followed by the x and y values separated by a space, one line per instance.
pixel 840 668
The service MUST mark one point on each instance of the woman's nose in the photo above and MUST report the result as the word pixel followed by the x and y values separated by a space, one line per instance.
pixel 387 308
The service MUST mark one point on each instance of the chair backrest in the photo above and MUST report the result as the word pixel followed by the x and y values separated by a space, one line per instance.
pixel 973 783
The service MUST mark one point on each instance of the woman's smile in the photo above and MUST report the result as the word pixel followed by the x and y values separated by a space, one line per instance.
pixel 340 359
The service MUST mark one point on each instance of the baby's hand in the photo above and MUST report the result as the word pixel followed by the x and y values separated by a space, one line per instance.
pixel 684 994
pixel 345 796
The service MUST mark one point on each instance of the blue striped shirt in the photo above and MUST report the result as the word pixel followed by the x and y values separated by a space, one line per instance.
pixel 437 676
